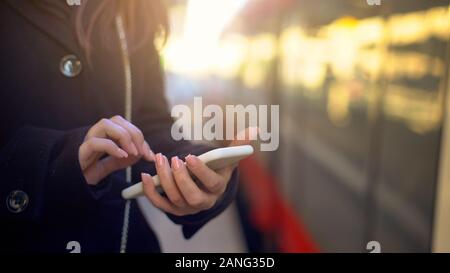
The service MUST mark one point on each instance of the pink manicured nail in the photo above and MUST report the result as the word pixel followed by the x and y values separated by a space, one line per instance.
pixel 181 162
pixel 146 175
pixel 148 151
pixel 176 163
pixel 151 153
pixel 191 160
pixel 160 160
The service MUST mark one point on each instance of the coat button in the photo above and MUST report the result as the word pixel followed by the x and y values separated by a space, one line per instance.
pixel 17 201
pixel 70 66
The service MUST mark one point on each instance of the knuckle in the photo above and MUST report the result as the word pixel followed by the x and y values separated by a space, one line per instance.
pixel 84 147
pixel 90 143
pixel 216 185
pixel 104 122
pixel 196 201
pixel 90 132
pixel 117 118
pixel 140 135
pixel 209 204
pixel 124 134
pixel 139 132
pixel 177 200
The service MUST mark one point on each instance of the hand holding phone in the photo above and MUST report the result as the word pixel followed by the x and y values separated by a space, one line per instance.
pixel 215 159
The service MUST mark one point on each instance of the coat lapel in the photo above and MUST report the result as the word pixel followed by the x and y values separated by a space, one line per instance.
pixel 59 29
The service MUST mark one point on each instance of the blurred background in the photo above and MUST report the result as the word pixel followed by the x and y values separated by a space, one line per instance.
pixel 362 94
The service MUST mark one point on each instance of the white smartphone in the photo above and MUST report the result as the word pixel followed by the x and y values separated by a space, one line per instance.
pixel 215 159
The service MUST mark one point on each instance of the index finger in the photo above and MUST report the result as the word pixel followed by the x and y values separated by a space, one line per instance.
pixel 105 128
pixel 136 135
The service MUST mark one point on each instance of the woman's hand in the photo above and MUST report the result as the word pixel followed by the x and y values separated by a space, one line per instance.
pixel 110 145
pixel 184 196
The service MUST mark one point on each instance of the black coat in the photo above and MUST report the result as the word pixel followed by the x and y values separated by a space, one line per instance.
pixel 44 117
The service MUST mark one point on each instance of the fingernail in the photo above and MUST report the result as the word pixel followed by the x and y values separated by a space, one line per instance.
pixel 191 160
pixel 148 151
pixel 151 153
pixel 134 150
pixel 143 175
pixel 160 160
pixel 123 154
pixel 175 163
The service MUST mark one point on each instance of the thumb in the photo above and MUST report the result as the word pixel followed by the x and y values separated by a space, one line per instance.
pixel 245 136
